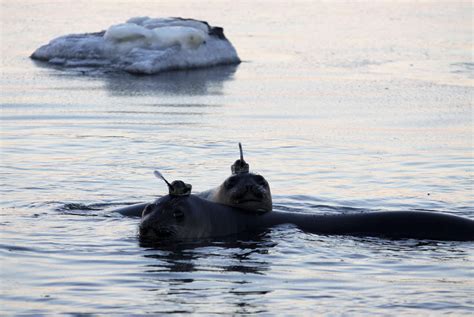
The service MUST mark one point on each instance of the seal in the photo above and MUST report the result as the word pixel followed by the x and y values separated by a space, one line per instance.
pixel 243 189
pixel 246 191
pixel 183 217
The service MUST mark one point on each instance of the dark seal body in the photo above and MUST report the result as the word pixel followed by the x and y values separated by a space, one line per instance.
pixel 192 217
pixel 246 191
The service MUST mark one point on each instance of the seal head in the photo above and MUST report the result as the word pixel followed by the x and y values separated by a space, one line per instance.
pixel 243 190
pixel 167 218
pixel 246 191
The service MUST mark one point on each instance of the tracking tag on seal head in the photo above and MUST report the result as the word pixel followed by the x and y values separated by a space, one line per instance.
pixel 176 188
pixel 240 166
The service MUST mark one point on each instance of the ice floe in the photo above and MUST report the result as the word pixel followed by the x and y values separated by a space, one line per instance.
pixel 143 45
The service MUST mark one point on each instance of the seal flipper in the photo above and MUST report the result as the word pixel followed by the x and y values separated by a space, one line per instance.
pixel 134 210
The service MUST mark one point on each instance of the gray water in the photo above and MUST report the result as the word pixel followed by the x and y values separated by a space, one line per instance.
pixel 343 107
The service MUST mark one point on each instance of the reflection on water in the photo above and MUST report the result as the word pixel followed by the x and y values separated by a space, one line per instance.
pixel 230 263
pixel 206 81
pixel 241 249
pixel 193 82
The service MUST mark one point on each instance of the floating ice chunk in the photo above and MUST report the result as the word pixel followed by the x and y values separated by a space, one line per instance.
pixel 143 45
pixel 122 38
pixel 127 32
pixel 157 23
pixel 134 35
pixel 152 23
pixel 137 20
pixel 187 37
pixel 78 46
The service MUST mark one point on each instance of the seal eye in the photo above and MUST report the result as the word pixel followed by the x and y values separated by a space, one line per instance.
pixel 148 208
pixel 178 214
pixel 230 182
pixel 260 180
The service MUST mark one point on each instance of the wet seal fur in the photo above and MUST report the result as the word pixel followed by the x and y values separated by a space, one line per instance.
pixel 247 191
pixel 191 217
pixel 244 190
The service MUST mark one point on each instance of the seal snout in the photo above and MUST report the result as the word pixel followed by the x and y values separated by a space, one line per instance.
pixel 250 192
pixel 152 232
pixel 163 233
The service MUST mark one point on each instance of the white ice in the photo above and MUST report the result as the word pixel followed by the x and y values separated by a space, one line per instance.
pixel 143 45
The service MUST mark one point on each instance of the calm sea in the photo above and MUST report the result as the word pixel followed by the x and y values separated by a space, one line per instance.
pixel 342 106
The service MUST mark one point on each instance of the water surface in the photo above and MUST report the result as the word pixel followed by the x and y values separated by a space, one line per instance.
pixel 343 107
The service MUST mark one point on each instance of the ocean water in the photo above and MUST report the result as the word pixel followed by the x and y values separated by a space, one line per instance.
pixel 342 106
